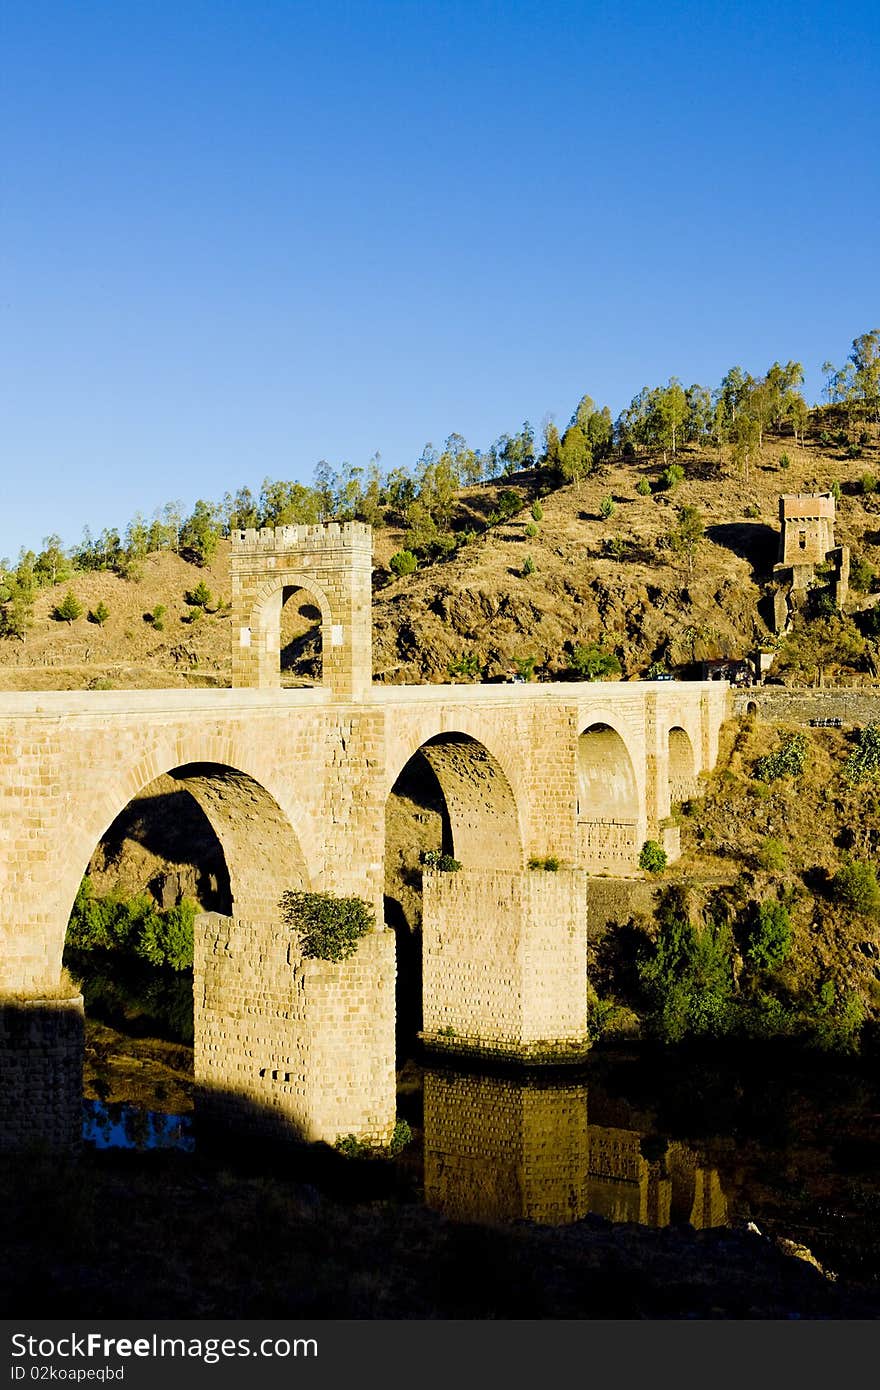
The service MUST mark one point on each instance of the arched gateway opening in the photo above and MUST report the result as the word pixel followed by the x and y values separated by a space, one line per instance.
pixel 452 797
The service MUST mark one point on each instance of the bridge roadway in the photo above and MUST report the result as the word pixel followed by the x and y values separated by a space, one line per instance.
pixel 295 784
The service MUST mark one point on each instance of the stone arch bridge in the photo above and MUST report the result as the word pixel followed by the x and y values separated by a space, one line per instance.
pixel 295 784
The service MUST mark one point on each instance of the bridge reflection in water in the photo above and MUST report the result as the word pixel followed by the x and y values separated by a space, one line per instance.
pixel 500 1149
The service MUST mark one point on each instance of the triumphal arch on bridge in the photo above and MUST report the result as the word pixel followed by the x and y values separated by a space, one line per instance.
pixel 295 784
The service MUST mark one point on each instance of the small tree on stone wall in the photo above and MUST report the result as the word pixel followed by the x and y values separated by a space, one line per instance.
pixel 328 928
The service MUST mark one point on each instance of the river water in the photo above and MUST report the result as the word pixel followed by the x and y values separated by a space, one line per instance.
pixel 789 1143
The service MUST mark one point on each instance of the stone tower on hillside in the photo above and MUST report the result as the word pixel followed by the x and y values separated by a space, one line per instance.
pixel 807 541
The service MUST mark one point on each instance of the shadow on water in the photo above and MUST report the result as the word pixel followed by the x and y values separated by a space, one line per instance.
pixel 536 1185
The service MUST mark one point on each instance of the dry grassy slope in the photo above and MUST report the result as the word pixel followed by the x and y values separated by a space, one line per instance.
pixel 647 605
pixel 819 819
pixel 127 652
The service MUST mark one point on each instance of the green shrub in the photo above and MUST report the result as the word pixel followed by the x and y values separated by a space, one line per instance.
pixel 69 609
pixel 861 574
pixel 653 857
pixel 400 1138
pixel 509 503
pixel 531 531
pixel 200 596
pixel 525 666
pixel 788 761
pixel 528 567
pixel 836 491
pixel 671 477
pixel 551 864
pixel 155 619
pixel 864 761
pixel 468 664
pixel 329 928
pixel 99 615
pixel 135 927
pixel 167 937
pixel 537 512
pixel 351 1147
pixel 607 507
pixel 834 1020
pixel 772 855
pixel 436 859
pixel 643 487
pixel 686 974
pixel 784 461
pixel 404 562
pixel 769 938
pixel 869 483
pixel 855 885
pixel 591 661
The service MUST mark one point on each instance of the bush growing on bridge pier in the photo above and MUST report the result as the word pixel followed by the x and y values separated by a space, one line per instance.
pixel 329 928
pixel 653 857
pixel 435 859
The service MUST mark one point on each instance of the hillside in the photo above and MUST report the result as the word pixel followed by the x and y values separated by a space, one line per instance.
pixel 612 578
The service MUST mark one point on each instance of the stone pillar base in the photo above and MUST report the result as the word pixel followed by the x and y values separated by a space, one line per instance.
pixel 287 1048
pixel 505 963
pixel 41 1059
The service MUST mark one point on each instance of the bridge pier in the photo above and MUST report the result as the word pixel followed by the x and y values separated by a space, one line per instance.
pixel 41 1053
pixel 505 961
pixel 287 1048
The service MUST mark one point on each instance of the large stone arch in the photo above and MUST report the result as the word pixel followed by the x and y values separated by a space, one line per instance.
pixel 254 825
pixel 610 799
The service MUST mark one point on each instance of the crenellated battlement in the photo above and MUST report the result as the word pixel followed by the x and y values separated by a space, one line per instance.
pixel 331 535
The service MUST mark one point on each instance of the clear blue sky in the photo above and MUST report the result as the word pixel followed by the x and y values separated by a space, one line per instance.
pixel 239 236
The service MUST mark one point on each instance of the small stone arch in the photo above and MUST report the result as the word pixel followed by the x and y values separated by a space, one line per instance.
pixel 681 765
pixel 609 804
pixel 752 708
